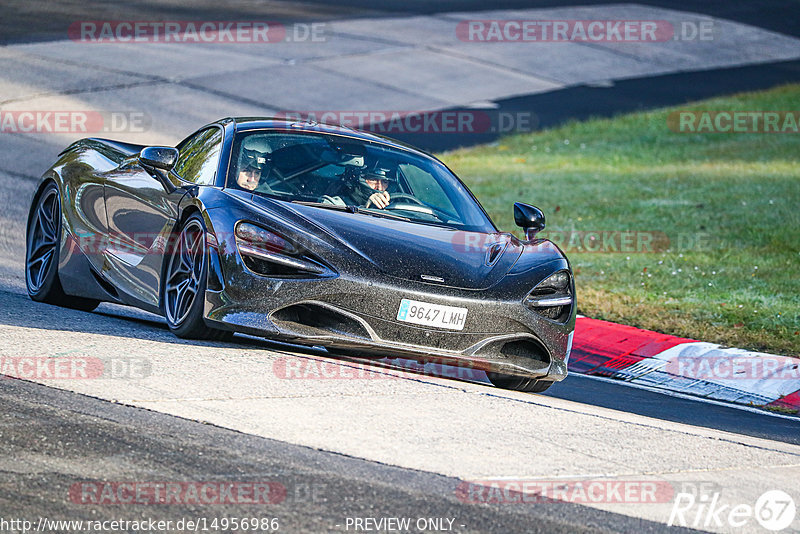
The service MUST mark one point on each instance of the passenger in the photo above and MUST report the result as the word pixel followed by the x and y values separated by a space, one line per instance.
pixel 249 177
pixel 251 168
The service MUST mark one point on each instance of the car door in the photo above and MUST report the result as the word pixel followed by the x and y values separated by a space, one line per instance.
pixel 141 207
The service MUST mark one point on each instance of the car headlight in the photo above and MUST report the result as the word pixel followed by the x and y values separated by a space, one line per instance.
pixel 269 254
pixel 552 297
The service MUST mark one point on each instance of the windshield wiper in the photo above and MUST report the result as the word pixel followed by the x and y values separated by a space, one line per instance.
pixel 383 214
pixel 351 209
pixel 338 207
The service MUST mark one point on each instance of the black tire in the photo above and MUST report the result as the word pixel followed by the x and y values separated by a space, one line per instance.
pixel 519 383
pixel 42 243
pixel 185 278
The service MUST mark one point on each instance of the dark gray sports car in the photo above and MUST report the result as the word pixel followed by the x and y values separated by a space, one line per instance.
pixel 306 233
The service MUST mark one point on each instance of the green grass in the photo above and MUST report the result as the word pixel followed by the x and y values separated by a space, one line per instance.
pixel 781 409
pixel 736 196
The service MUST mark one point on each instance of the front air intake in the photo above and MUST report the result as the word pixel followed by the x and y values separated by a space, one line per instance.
pixel 525 352
pixel 315 320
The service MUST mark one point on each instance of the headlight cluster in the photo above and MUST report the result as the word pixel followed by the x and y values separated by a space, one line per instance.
pixel 269 254
pixel 264 239
pixel 552 297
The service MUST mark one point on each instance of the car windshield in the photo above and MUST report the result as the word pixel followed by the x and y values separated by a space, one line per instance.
pixel 338 172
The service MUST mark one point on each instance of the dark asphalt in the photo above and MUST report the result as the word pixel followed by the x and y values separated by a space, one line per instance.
pixel 583 102
pixel 618 396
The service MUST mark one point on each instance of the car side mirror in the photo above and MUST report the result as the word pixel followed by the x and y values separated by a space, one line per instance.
pixel 530 218
pixel 159 157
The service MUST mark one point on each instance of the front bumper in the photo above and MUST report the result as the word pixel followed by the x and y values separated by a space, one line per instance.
pixel 359 316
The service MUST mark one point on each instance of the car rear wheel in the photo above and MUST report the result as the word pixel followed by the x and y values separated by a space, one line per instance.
pixel 518 383
pixel 42 243
pixel 185 284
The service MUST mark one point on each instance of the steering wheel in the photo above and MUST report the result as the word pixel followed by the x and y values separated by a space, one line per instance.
pixel 397 196
pixel 416 205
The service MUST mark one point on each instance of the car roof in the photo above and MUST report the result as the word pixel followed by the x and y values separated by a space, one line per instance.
pixel 305 126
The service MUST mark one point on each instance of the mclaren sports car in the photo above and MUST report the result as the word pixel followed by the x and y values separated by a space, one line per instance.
pixel 304 233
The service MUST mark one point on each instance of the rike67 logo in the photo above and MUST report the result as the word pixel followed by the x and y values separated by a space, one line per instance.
pixel 774 510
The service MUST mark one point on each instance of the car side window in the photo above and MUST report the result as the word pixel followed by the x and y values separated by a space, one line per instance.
pixel 199 157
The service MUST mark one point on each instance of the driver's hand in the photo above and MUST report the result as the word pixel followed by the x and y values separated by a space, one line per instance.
pixel 379 200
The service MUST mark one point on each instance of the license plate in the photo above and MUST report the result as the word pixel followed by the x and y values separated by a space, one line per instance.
pixel 424 313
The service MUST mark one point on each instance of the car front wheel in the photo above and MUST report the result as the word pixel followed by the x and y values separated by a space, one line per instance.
pixel 185 283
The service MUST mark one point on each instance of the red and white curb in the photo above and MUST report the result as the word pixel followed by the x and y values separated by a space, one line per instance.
pixel 684 365
pixel 671 364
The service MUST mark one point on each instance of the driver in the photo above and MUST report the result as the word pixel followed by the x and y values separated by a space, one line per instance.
pixel 375 185
pixel 367 188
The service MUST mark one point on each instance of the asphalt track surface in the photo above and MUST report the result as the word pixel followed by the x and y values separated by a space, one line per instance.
pixel 584 102
pixel 53 438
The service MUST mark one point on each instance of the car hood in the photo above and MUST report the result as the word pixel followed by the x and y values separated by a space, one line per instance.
pixel 413 251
